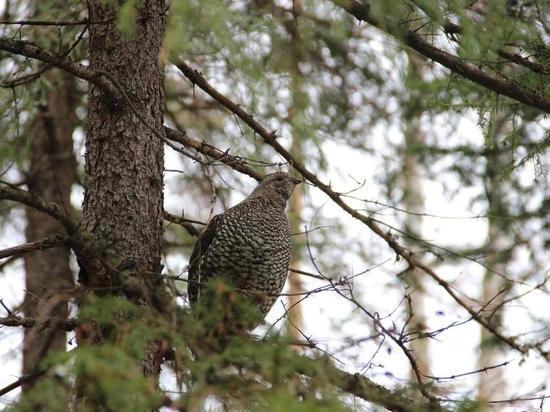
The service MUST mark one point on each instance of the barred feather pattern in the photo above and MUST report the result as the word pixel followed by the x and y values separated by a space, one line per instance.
pixel 249 245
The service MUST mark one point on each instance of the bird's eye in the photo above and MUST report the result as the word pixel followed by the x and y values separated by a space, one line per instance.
pixel 280 179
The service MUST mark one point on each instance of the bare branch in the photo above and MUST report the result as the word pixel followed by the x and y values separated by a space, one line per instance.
pixel 18 321
pixel 474 372
pixel 47 66
pixel 51 22
pixel 46 243
pixel 213 152
pixel 89 255
pixel 7 262
pixel 358 385
pixel 525 62
pixel 32 200
pixel 186 224
pixel 22 381
pixel 31 50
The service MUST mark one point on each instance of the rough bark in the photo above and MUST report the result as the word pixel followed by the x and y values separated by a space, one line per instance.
pixel 124 158
pixel 123 202
pixel 413 200
pixel 51 175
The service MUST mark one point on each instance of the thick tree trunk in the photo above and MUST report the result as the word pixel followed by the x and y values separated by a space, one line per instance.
pixel 413 200
pixel 123 201
pixel 124 158
pixel 51 176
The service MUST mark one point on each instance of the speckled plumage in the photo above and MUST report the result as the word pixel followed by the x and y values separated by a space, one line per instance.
pixel 249 245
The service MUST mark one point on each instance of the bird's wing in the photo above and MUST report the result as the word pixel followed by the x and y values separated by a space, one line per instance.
pixel 201 246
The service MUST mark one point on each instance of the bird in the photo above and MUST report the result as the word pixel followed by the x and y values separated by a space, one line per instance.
pixel 248 246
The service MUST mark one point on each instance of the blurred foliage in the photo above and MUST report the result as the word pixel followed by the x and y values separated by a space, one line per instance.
pixel 240 372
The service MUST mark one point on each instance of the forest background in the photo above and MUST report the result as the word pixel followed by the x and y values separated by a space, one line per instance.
pixel 419 277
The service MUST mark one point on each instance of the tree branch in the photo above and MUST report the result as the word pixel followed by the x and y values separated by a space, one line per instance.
pixel 49 22
pixel 22 381
pixel 507 88
pixel 30 199
pixel 88 254
pixel 191 229
pixel 19 321
pixel 525 62
pixel 31 50
pixel 218 155
pixel 270 138
pixel 46 243
pixel 356 384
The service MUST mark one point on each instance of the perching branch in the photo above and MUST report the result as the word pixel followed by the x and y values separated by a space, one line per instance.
pixel 270 138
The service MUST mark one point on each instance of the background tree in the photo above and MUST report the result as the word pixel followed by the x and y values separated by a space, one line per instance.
pixel 51 175
pixel 413 200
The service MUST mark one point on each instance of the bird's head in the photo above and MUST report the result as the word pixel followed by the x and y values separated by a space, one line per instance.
pixel 278 186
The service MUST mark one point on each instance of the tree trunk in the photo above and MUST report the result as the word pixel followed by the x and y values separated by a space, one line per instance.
pixel 413 200
pixel 494 288
pixel 295 321
pixel 51 176
pixel 123 202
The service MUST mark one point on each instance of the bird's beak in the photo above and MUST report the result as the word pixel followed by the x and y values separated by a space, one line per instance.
pixel 296 181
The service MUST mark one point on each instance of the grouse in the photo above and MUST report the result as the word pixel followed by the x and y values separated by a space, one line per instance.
pixel 248 246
